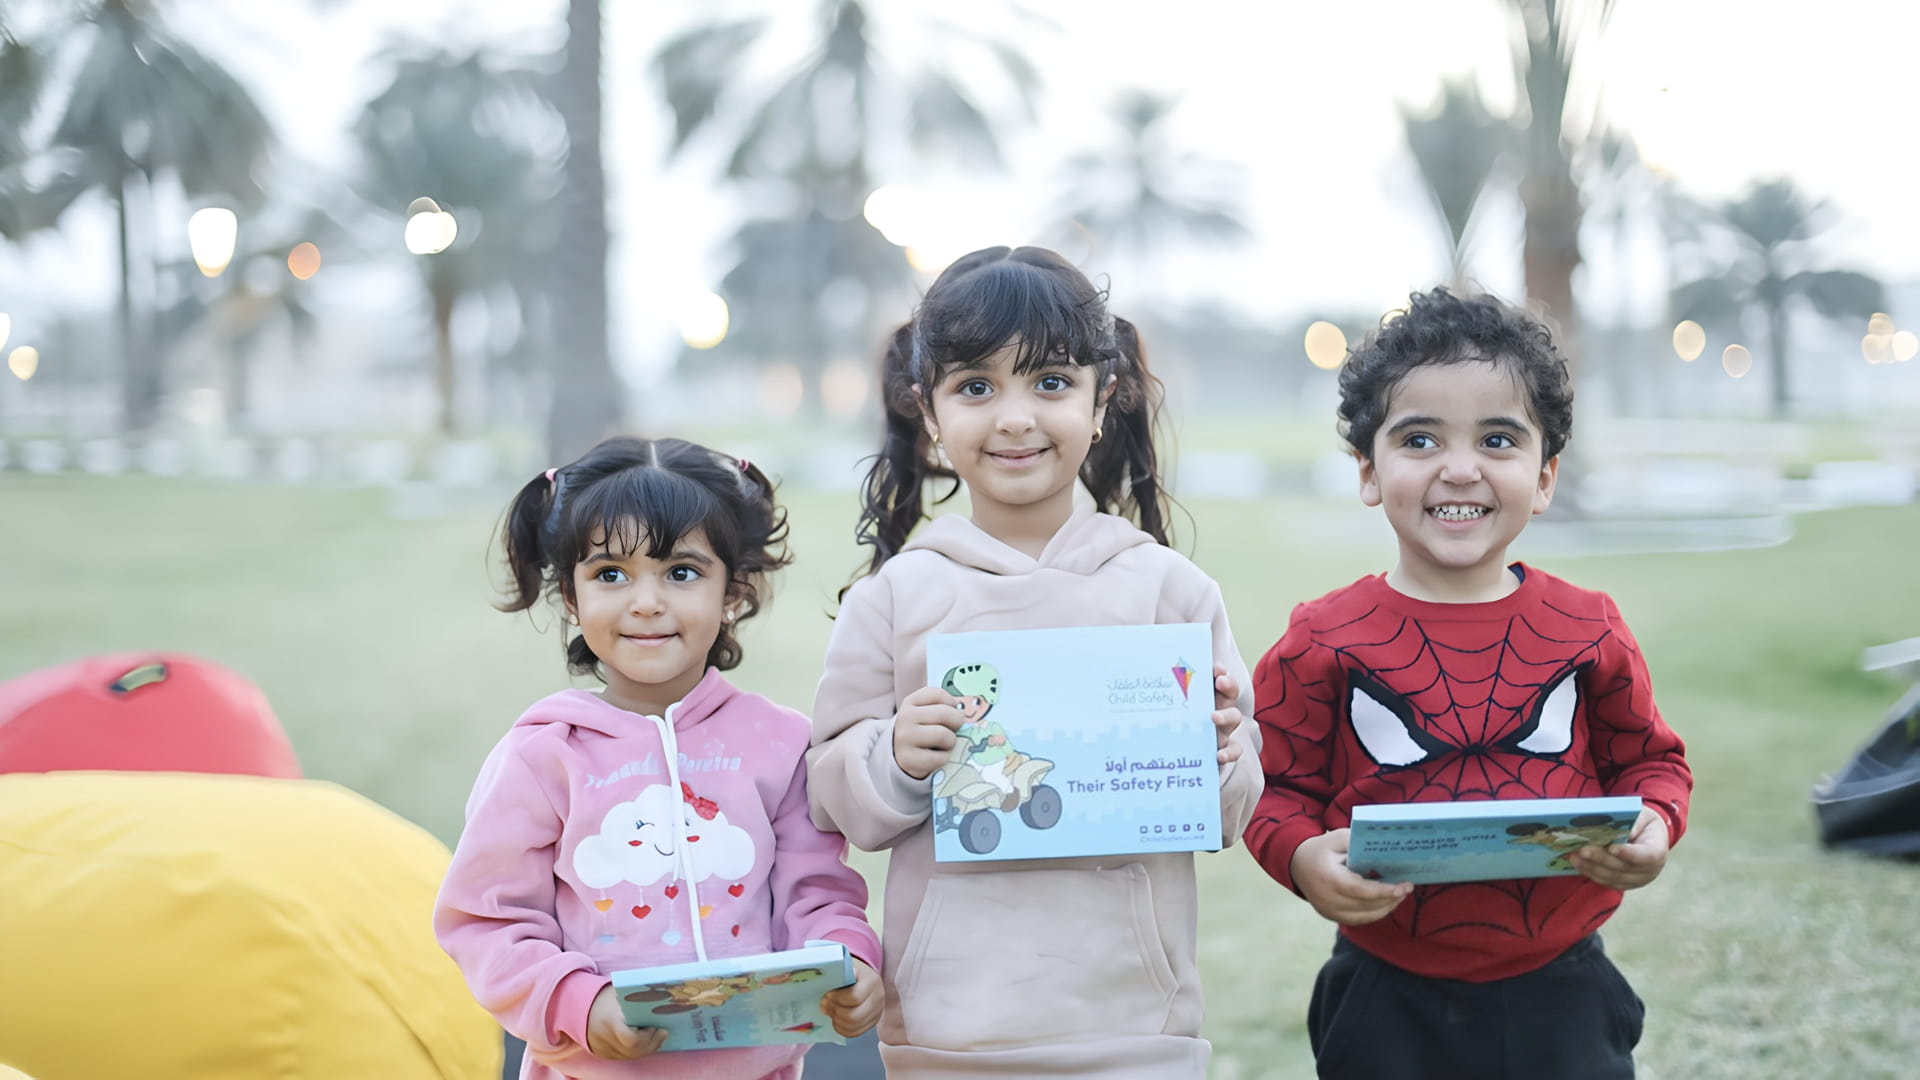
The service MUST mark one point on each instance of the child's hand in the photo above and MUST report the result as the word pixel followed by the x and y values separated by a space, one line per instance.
pixel 1337 893
pixel 855 1009
pixel 1632 863
pixel 608 1035
pixel 923 731
pixel 1226 714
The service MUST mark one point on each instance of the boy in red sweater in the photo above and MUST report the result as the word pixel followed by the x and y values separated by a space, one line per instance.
pixel 1457 675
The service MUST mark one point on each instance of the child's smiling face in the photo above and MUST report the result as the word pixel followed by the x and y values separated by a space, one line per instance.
pixel 1017 438
pixel 1457 466
pixel 652 622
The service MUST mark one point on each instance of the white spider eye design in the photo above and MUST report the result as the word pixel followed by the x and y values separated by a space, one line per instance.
pixel 1385 733
pixel 1550 730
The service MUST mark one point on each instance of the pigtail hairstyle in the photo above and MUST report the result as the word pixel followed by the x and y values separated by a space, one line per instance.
pixel 1122 471
pixel 1033 300
pixel 625 492
pixel 892 498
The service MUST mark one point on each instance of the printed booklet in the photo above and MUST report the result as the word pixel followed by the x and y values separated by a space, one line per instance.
pixel 1432 842
pixel 760 999
pixel 1094 740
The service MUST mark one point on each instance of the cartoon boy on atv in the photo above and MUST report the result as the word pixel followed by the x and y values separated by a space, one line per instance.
pixel 985 772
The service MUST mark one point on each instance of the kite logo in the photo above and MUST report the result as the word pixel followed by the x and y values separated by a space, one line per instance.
pixel 1183 674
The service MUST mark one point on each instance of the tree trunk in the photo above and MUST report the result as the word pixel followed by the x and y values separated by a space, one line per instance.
pixel 139 384
pixel 1777 346
pixel 239 387
pixel 1551 199
pixel 586 402
pixel 443 357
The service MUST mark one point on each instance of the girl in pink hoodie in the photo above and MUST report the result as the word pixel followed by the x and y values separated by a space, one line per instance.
pixel 663 819
pixel 1013 380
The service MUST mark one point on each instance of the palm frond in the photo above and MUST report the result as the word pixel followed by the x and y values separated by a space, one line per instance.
pixel 1715 300
pixel 1840 294
pixel 942 116
pixel 697 67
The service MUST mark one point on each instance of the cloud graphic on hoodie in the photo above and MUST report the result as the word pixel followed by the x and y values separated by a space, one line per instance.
pixel 636 843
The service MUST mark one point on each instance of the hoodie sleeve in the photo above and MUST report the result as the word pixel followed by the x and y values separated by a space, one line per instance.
pixel 817 895
pixel 854 785
pixel 495 912
pixel 1239 780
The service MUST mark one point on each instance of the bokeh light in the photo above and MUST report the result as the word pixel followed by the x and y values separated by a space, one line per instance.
pixel 431 232
pixel 1877 348
pixel 304 260
pixel 1689 340
pixel 1326 345
pixel 1736 361
pixel 780 389
pixel 1906 345
pixel 704 320
pixel 929 260
pixel 211 233
pixel 1880 323
pixel 422 205
pixel 204 405
pixel 843 388
pixel 896 212
pixel 23 362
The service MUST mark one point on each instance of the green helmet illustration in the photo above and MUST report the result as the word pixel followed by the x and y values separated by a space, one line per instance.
pixel 973 680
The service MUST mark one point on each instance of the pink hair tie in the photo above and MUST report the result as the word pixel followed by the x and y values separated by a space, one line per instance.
pixel 550 480
pixel 742 464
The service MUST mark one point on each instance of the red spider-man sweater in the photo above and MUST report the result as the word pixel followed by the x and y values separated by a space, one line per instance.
pixel 1375 697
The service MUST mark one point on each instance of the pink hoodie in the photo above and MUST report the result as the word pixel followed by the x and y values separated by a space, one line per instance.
pixel 558 878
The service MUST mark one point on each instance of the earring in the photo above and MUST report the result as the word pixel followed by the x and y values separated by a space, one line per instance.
pixel 1096 434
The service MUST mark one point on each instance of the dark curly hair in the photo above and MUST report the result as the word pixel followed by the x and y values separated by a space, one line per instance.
pixel 625 490
pixel 1441 328
pixel 982 302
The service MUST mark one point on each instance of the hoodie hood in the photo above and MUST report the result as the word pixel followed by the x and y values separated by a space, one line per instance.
pixel 1088 541
pixel 588 710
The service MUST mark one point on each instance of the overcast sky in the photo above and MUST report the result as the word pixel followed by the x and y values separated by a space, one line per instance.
pixel 1304 95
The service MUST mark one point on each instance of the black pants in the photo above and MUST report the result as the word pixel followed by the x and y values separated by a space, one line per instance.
pixel 1574 1019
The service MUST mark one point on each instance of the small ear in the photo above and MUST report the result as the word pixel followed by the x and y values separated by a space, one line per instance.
pixel 926 414
pixel 1549 476
pixel 1369 480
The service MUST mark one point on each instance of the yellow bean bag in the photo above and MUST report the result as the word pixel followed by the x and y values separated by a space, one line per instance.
pixel 205 927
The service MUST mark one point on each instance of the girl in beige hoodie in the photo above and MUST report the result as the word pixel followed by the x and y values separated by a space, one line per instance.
pixel 1013 381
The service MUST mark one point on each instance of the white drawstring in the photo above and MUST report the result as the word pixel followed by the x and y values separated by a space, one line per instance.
pixel 671 745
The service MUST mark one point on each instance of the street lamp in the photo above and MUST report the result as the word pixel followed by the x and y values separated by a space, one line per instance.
pixel 211 233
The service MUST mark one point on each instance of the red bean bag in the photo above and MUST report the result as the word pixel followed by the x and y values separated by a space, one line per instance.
pixel 141 712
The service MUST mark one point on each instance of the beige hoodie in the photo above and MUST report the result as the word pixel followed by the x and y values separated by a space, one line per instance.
pixel 1059 967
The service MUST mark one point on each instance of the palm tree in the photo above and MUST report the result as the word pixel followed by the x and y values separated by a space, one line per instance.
pixel 141 104
pixel 1546 54
pixel 1773 268
pixel 472 134
pixel 1142 193
pixel 28 203
pixel 1457 146
pixel 239 310
pixel 586 400
pixel 803 101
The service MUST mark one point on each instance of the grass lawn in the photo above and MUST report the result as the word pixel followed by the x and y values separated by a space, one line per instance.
pixel 1758 954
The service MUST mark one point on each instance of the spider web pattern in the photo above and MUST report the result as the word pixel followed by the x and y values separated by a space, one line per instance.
pixel 1468 699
